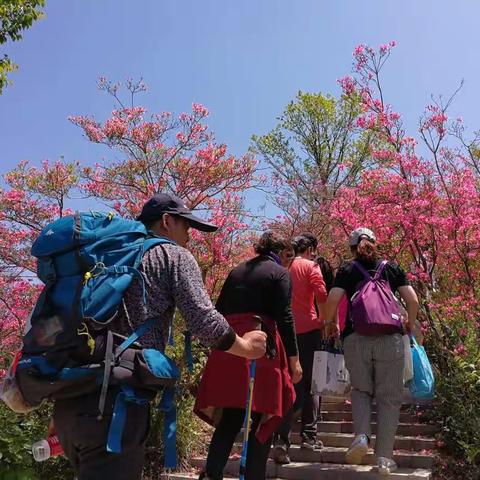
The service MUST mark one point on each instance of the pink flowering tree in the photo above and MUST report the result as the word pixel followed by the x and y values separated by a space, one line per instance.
pixel 33 197
pixel 171 153
pixel 153 153
pixel 425 210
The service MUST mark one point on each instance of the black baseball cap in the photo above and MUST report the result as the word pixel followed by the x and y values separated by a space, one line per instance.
pixel 165 203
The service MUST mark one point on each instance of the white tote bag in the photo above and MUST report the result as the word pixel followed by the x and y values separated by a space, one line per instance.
pixel 408 366
pixel 330 376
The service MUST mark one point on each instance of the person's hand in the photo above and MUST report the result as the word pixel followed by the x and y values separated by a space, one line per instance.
pixel 295 369
pixel 255 344
pixel 331 330
pixel 405 322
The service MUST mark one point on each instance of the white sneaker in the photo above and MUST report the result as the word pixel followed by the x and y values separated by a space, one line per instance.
pixel 358 449
pixel 386 466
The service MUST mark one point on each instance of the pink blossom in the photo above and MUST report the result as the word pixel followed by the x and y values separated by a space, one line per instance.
pixel 199 110
pixel 463 332
pixel 460 350
pixel 384 48
pixel 180 136
pixel 359 50
pixel 347 84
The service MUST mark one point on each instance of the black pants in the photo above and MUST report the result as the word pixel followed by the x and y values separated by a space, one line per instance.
pixel 84 438
pixel 223 439
pixel 309 404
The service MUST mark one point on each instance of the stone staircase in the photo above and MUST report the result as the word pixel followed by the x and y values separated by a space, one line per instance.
pixel 414 445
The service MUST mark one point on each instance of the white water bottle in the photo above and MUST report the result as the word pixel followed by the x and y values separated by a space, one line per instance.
pixel 47 448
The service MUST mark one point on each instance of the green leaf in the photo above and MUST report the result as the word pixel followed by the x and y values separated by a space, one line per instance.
pixel 15 17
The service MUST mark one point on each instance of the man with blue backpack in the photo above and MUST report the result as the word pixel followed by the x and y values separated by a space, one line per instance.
pixel 373 345
pixel 101 325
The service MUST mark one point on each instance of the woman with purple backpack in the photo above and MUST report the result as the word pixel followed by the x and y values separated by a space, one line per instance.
pixel 373 347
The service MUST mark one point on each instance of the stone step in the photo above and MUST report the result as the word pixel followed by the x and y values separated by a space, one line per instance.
pixel 335 400
pixel 347 407
pixel 189 476
pixel 324 471
pixel 347 400
pixel 413 443
pixel 339 416
pixel 407 399
pixel 403 428
pixel 336 407
pixel 404 459
pixel 337 439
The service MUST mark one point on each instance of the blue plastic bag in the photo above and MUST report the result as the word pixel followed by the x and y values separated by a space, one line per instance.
pixel 422 385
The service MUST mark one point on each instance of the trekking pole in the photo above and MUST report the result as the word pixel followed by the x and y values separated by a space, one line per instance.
pixel 248 420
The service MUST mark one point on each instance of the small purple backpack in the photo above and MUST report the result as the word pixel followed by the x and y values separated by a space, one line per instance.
pixel 373 307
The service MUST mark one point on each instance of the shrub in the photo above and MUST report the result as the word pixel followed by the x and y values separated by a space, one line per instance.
pixel 19 432
pixel 453 345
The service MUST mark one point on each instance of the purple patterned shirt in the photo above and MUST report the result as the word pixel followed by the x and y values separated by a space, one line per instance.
pixel 172 279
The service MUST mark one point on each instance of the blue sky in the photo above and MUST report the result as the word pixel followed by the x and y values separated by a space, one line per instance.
pixel 243 60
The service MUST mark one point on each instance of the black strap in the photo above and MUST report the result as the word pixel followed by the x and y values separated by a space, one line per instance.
pixel 271 350
pixel 109 357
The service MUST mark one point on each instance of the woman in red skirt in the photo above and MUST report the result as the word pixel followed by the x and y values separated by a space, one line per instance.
pixel 256 292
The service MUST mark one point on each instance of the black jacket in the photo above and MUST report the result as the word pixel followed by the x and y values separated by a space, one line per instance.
pixel 261 286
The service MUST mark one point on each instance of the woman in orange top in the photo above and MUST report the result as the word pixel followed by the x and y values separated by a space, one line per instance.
pixel 307 286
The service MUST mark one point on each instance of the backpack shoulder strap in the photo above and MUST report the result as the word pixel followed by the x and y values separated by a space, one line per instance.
pixel 153 241
pixel 380 270
pixel 362 270
pixel 143 328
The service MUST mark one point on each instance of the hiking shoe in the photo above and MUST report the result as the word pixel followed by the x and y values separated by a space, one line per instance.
pixel 386 466
pixel 280 453
pixel 311 444
pixel 358 449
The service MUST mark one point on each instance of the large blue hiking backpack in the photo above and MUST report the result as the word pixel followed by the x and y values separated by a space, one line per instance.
pixel 87 261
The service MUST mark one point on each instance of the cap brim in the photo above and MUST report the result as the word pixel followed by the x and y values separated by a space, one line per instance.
pixel 197 223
